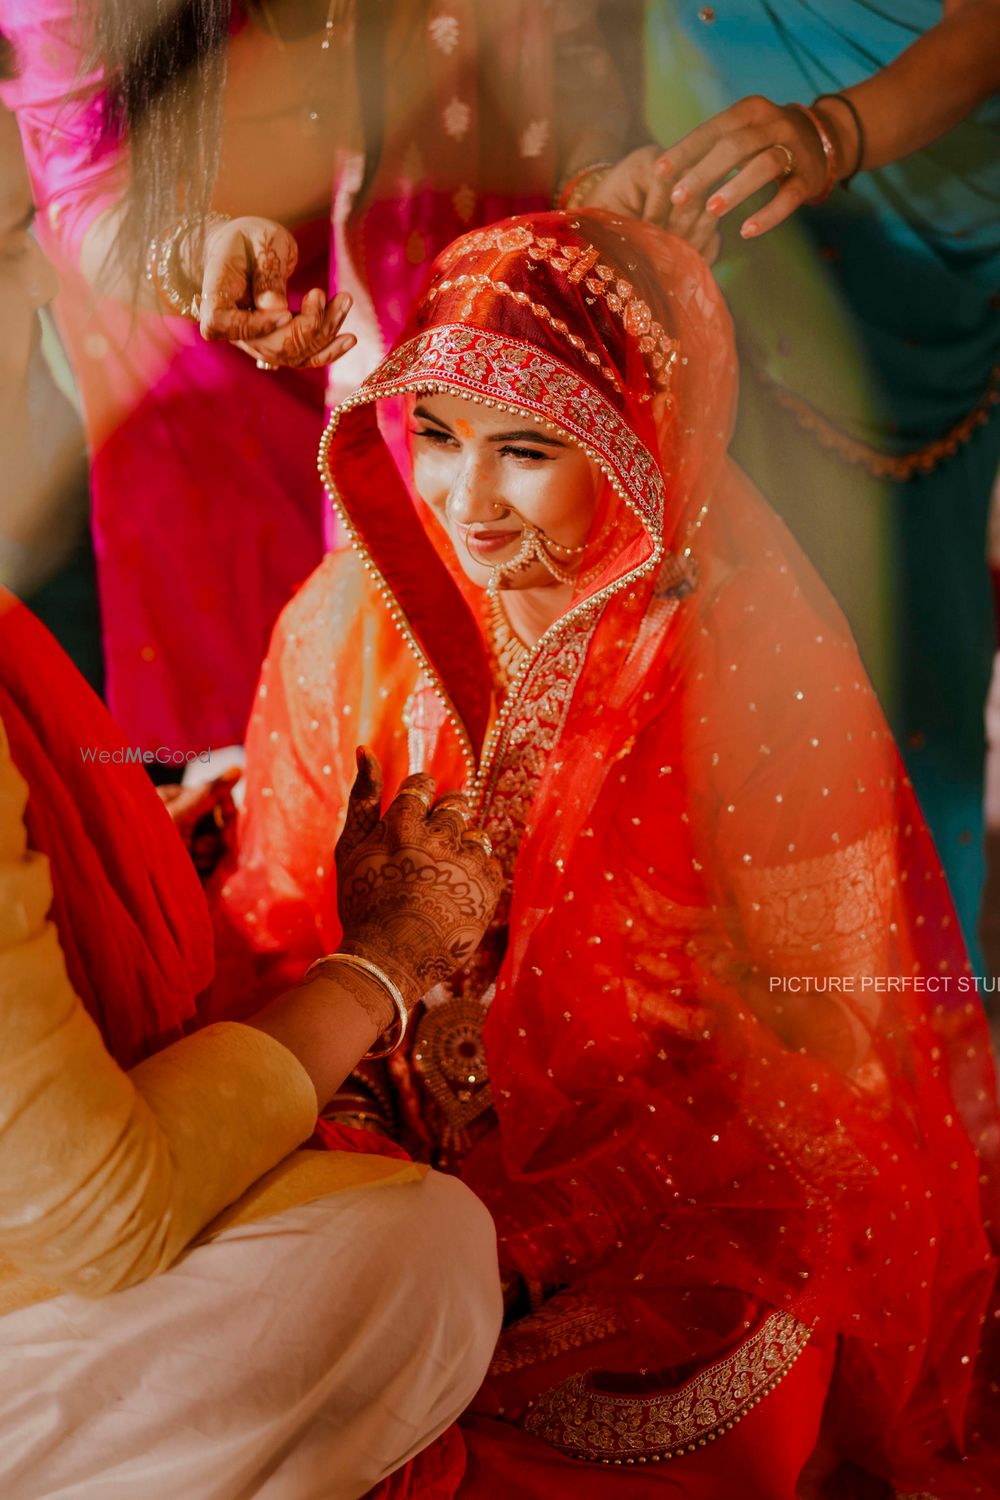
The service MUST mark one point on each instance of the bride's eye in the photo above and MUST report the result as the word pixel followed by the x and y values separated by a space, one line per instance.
pixel 434 435
pixel 528 453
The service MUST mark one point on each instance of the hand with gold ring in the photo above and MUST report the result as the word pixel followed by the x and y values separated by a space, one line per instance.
pixel 740 151
pixel 416 885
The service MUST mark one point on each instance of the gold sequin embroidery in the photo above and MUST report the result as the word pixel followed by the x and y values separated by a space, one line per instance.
pixel 570 1320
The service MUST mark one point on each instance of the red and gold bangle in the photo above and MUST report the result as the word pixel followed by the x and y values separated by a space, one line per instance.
pixel 570 194
pixel 829 151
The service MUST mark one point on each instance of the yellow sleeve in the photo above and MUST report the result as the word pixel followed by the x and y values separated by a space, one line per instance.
pixel 106 1176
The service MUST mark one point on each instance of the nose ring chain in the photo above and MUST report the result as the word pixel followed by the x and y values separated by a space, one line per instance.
pixel 536 546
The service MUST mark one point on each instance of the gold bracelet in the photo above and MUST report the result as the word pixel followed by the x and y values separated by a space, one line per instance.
pixel 160 263
pixel 574 189
pixel 352 961
pixel 829 153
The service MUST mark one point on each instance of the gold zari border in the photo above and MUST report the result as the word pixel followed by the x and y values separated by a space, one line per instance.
pixel 897 466
pixel 608 1428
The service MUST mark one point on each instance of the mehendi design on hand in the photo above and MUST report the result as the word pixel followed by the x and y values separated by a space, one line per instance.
pixel 413 896
pixel 273 265
pixel 247 260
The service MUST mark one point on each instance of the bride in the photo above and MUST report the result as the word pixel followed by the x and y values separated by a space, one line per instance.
pixel 717 1069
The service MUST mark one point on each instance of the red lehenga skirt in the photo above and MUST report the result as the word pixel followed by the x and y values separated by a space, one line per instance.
pixel 549 1421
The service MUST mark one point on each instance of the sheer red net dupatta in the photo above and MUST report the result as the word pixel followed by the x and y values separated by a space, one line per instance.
pixel 736 1062
pixel 131 914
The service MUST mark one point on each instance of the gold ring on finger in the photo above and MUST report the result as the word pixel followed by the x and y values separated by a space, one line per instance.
pixel 457 805
pixel 264 364
pixel 789 166
pixel 482 838
pixel 421 796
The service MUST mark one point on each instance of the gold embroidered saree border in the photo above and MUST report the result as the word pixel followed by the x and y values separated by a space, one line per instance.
pixel 609 1428
pixel 567 1322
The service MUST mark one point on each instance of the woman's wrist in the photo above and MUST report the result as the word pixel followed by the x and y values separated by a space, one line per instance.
pixel 399 976
pixel 362 1103
pixel 842 121
pixel 373 998
pixel 831 160
pixel 576 187
pixel 349 968
pixel 175 262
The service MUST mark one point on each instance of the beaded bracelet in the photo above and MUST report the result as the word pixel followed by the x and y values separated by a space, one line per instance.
pixel 859 126
pixel 829 151
pixel 160 262
pixel 352 961
pixel 573 191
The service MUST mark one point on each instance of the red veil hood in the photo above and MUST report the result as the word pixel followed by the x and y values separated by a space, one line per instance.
pixel 734 1049
pixel 606 372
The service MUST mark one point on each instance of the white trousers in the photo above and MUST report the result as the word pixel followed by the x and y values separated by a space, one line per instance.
pixel 303 1357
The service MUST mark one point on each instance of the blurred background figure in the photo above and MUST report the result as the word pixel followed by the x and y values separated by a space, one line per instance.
pixel 867 327
pixel 346 144
pixel 43 514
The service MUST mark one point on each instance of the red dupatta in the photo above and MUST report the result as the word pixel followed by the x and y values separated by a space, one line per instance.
pixel 131 914
pixel 735 1057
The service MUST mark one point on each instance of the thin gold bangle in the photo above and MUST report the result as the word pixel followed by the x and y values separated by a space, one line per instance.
pixel 569 195
pixel 161 257
pixel 364 966
pixel 829 152
pixel 859 127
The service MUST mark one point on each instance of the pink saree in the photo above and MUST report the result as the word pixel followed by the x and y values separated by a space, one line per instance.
pixel 207 512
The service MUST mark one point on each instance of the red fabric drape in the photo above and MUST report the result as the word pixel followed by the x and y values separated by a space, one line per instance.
pixel 131 913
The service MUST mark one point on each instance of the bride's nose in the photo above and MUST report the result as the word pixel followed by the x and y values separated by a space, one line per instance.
pixel 472 499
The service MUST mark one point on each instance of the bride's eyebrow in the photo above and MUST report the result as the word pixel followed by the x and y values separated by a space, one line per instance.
pixel 426 416
pixel 529 435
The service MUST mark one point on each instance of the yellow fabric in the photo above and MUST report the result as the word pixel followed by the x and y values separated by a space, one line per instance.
pixel 307 1175
pixel 106 1176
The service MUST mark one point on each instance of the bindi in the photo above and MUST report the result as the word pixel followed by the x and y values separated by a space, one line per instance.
pixel 463 428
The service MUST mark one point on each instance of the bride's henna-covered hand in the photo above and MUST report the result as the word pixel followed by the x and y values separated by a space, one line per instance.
pixel 416 887
pixel 244 297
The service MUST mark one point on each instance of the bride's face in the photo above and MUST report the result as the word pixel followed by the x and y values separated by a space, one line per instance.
pixel 487 474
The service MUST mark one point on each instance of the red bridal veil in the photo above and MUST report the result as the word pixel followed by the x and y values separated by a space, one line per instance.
pixel 736 1057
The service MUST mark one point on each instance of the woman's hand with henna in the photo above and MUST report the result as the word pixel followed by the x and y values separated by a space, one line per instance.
pixel 244 297
pixel 416 888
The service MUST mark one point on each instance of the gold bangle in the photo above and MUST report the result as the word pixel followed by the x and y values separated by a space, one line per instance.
pixel 160 263
pixel 355 1120
pixel 829 153
pixel 574 189
pixel 364 966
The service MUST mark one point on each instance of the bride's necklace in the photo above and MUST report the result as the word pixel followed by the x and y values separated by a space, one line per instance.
pixel 507 650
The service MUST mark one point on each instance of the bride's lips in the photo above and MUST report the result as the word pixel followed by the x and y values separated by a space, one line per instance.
pixel 487 543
